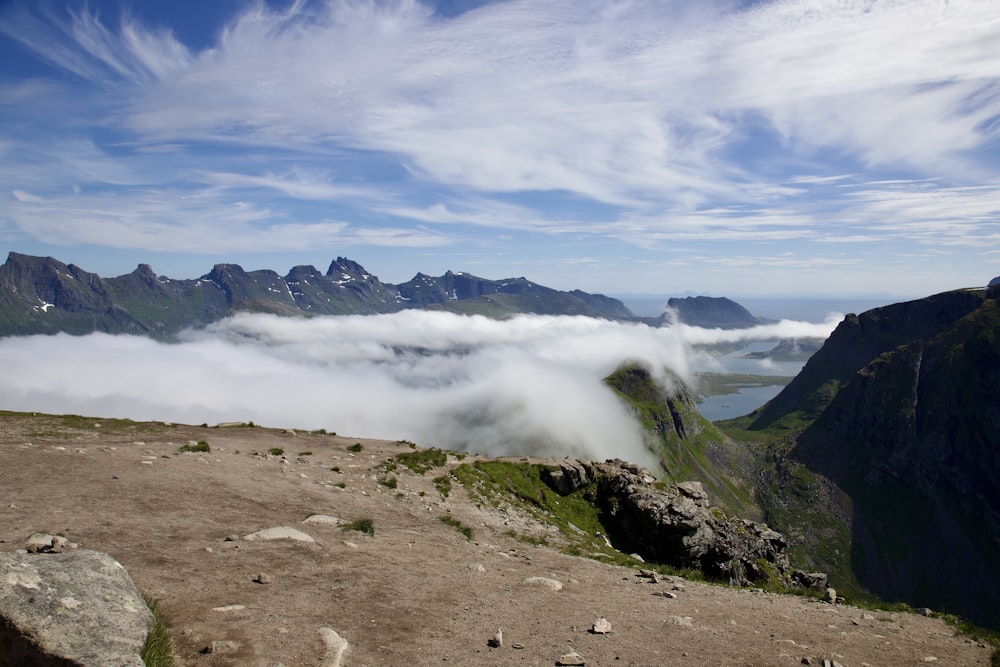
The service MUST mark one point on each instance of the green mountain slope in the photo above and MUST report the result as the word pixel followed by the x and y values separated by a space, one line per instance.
pixel 881 460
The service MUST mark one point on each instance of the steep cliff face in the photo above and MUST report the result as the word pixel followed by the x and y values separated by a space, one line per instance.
pixel 857 341
pixel 900 418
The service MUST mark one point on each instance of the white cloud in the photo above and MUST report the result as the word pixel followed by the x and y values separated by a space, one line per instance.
pixel 530 384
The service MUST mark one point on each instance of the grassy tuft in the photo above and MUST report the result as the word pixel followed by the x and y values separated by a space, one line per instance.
pixel 356 447
pixel 388 481
pixel 276 451
pixel 158 651
pixel 365 526
pixel 457 525
pixel 443 485
pixel 200 446
pixel 420 461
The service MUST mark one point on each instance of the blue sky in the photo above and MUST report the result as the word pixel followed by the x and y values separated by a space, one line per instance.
pixel 800 147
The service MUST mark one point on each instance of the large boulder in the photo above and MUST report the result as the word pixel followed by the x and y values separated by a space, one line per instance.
pixel 68 609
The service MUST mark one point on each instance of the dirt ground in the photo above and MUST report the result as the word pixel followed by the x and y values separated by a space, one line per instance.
pixel 417 592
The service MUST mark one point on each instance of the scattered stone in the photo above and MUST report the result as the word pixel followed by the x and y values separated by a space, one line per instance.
pixel 601 626
pixel 830 596
pixel 229 608
pixel 262 578
pixel 44 543
pixel 930 658
pixel 544 582
pixel 324 519
pixel 868 617
pixel 496 641
pixel 477 567
pixel 925 611
pixel 221 646
pixel 668 594
pixel 685 621
pixel 517 646
pixel 678 587
pixel 648 574
pixel 279 533
pixel 78 607
pixel 571 658
pixel 336 647
pixel 231 538
pixel 816 581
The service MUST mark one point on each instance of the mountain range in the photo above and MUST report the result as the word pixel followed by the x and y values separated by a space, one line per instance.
pixel 41 295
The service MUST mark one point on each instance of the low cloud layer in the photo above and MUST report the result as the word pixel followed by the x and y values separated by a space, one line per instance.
pixel 531 384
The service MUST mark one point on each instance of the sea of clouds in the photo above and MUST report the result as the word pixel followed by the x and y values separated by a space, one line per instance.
pixel 527 385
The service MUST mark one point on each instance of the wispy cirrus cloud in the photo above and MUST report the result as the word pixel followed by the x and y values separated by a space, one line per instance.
pixel 641 124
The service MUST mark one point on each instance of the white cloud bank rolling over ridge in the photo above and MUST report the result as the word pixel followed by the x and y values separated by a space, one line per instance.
pixel 527 385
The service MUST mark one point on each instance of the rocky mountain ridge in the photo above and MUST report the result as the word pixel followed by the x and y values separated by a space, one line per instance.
pixel 41 295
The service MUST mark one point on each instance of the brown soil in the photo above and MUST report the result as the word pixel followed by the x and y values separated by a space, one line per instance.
pixel 417 592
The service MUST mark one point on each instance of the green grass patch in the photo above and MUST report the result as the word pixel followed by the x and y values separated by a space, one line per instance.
pixel 457 525
pixel 443 485
pixel 420 461
pixel 307 453
pixel 276 451
pixel 389 481
pixel 200 446
pixel 575 516
pixel 365 526
pixel 158 650
pixel 356 447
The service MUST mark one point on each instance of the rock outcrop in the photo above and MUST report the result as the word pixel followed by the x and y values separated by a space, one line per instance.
pixel 78 608
pixel 676 525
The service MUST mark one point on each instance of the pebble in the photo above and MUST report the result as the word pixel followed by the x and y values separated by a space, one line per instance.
pixel 496 641
pixel 571 658
pixel 262 578
pixel 601 626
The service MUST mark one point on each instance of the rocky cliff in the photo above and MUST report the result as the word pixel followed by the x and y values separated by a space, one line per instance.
pixel 892 430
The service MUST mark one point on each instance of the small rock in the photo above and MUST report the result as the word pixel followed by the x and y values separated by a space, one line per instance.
pixel 571 658
pixel 601 626
pixel 279 533
pixel 678 587
pixel 930 658
pixel 496 641
pixel 324 519
pixel 830 596
pixel 685 621
pixel 544 582
pixel 668 594
pixel 262 578
pixel 517 646
pixel 336 647
pixel 222 646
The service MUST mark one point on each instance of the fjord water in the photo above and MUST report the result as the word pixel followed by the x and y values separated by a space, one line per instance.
pixel 749 398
